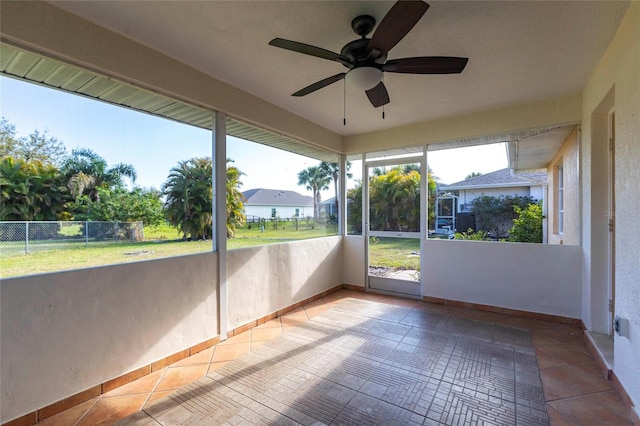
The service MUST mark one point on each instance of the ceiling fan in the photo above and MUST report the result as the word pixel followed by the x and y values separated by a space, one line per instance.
pixel 366 58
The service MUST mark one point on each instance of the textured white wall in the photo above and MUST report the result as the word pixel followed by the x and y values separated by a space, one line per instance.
pixel 529 277
pixel 65 332
pixel 264 279
pixel 533 115
pixel 354 261
pixel 619 70
pixel 567 156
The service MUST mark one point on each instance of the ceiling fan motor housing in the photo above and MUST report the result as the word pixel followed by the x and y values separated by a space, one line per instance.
pixel 363 25
pixel 356 52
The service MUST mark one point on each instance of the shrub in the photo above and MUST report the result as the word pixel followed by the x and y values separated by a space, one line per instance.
pixel 527 227
pixel 470 235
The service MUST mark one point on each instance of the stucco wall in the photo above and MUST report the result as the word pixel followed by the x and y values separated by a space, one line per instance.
pixel 264 279
pixel 528 277
pixel 65 332
pixel 534 115
pixel 354 262
pixel 567 157
pixel 619 70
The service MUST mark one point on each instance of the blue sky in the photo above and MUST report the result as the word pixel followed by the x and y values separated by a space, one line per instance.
pixel 153 145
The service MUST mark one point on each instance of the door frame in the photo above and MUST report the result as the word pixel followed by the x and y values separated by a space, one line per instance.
pixel 611 290
pixel 421 234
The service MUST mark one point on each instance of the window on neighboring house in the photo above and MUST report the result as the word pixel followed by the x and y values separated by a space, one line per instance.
pixel 273 212
pixel 560 200
pixel 297 213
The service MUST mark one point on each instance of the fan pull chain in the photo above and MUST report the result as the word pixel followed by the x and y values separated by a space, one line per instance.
pixel 383 105
pixel 344 103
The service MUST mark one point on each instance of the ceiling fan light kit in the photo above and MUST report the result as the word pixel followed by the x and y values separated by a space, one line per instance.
pixel 366 58
pixel 364 78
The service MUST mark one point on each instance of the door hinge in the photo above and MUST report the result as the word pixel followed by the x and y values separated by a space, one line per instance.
pixel 610 305
pixel 610 225
pixel 610 144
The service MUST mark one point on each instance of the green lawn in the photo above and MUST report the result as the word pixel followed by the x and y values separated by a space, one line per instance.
pixel 164 241
pixel 396 253
pixel 161 241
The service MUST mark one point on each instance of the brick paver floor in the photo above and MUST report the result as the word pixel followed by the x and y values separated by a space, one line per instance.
pixel 364 359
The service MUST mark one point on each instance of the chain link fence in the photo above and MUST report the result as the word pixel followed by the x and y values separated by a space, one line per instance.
pixel 27 237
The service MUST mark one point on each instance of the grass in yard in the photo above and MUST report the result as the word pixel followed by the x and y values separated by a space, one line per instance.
pixel 161 232
pixel 95 255
pixel 395 253
pixel 160 241
pixel 164 241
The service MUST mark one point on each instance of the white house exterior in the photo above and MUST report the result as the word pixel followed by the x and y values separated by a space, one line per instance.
pixel 268 203
pixel 500 182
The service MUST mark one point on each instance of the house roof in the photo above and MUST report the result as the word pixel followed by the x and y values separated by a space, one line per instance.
pixel 276 197
pixel 500 178
pixel 331 200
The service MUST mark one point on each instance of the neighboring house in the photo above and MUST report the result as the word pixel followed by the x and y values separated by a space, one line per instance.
pixel 501 182
pixel 268 203
pixel 328 207
pixel 454 201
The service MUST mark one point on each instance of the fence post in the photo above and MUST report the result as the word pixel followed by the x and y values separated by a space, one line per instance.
pixel 86 233
pixel 26 238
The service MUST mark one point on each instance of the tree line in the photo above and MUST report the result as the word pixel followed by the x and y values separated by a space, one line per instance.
pixel 40 181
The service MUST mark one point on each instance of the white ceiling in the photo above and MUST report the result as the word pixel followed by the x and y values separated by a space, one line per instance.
pixel 518 51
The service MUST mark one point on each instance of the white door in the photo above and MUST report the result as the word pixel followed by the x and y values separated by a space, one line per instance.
pixel 395 226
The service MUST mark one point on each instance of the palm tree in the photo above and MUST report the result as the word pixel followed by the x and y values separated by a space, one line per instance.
pixel 332 170
pixel 235 200
pixel 86 171
pixel 189 197
pixel 315 180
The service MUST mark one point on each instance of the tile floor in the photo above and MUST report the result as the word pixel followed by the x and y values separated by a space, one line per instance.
pixel 360 358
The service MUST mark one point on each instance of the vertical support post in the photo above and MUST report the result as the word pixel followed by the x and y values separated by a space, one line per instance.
pixel 424 216
pixel 219 224
pixel 342 204
pixel 365 218
pixel 26 238
pixel 545 194
pixel 86 233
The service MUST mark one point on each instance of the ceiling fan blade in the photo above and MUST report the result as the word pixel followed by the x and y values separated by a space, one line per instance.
pixel 308 50
pixel 378 96
pixel 320 84
pixel 400 19
pixel 426 65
